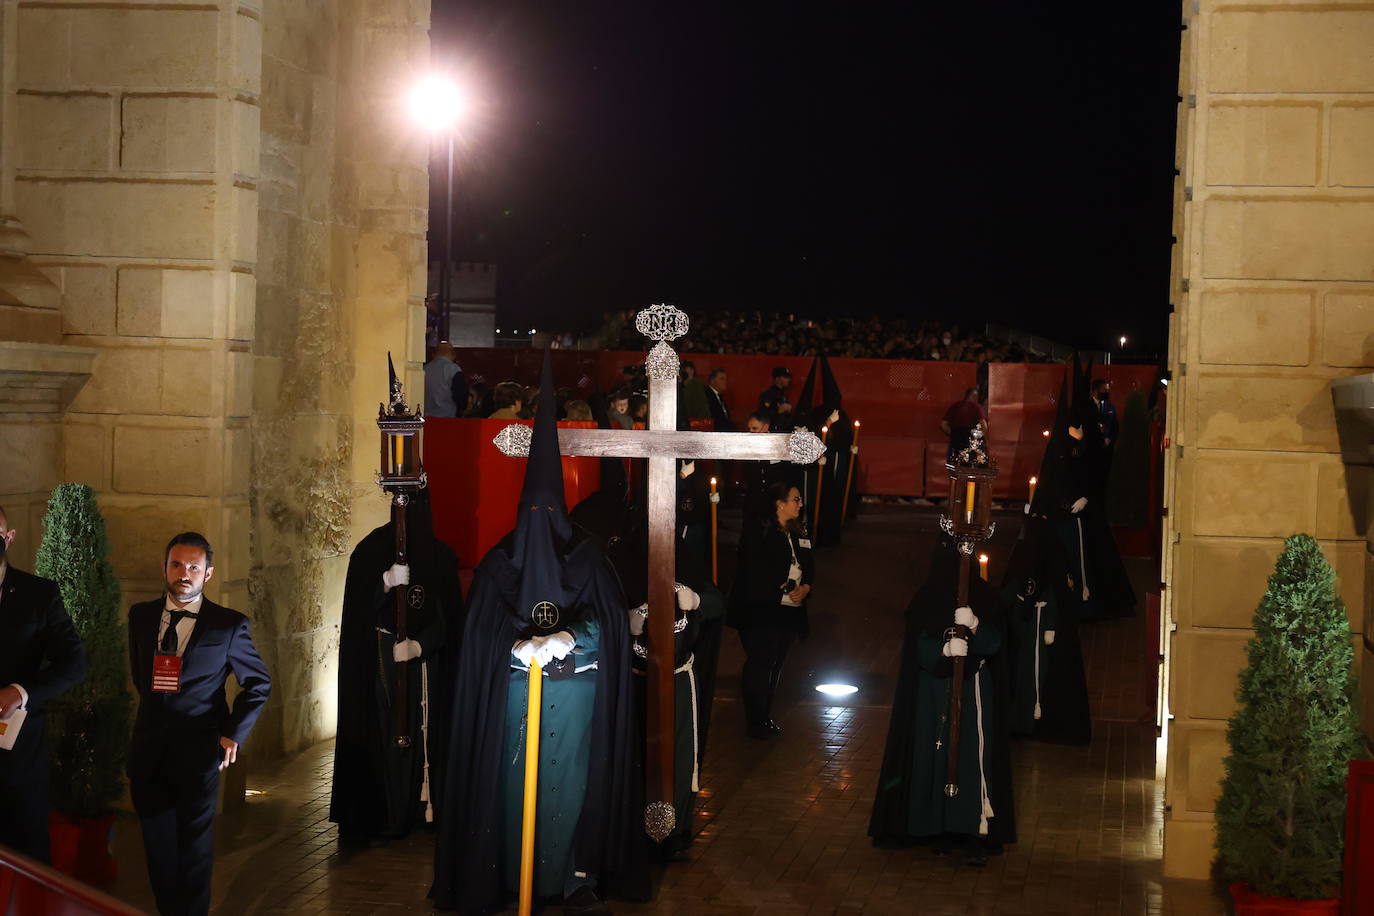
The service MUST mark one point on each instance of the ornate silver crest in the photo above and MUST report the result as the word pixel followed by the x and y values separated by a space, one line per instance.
pixel 514 440
pixel 661 322
pixel 659 820
pixel 662 363
pixel 803 447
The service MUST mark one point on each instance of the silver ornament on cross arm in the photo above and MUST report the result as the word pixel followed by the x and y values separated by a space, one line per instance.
pixel 514 440
pixel 804 447
pixel 661 322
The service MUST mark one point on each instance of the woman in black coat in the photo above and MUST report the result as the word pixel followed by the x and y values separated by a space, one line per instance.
pixel 768 601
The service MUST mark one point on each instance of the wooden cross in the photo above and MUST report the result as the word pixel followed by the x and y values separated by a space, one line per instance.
pixel 663 444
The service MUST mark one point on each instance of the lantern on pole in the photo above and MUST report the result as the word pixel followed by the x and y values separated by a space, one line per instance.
pixel 969 520
pixel 401 474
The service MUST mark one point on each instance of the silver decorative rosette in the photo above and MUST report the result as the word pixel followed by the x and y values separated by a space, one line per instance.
pixel 662 363
pixel 514 440
pixel 661 322
pixel 804 447
pixel 659 820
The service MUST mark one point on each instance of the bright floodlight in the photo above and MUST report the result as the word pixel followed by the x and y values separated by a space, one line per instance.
pixel 836 690
pixel 437 103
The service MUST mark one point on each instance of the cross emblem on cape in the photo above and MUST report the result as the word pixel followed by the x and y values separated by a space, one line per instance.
pixel 663 444
pixel 545 615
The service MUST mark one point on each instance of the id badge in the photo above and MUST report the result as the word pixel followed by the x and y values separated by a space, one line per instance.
pixel 166 674
pixel 805 542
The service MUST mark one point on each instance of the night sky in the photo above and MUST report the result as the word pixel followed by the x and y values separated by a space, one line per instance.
pixel 1009 161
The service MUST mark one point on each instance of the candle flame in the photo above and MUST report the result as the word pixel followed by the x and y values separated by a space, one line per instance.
pixel 824 430
pixel 713 481
pixel 856 423
pixel 1045 433
pixel 982 558
pixel 1033 480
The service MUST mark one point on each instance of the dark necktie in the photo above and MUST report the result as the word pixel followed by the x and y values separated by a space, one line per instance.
pixel 169 638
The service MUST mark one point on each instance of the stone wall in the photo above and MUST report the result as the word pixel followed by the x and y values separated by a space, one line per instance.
pixel 1273 286
pixel 222 204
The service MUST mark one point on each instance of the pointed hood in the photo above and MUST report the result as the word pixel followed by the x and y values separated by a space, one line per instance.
pixel 1054 465
pixel 542 527
pixel 830 389
pixel 807 396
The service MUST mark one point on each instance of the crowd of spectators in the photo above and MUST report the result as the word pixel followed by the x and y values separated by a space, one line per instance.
pixel 781 334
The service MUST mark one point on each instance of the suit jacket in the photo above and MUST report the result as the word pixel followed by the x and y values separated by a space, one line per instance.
pixel 40 651
pixel 220 644
pixel 764 560
pixel 720 412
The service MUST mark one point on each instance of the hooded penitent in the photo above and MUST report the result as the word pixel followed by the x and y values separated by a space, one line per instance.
pixel 1095 578
pixel 910 802
pixel 378 787
pixel 542 578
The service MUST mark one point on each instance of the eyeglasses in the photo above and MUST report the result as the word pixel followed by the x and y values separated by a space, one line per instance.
pixel 795 499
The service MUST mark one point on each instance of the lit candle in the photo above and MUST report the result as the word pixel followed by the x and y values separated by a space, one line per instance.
pixel 983 566
pixel 969 501
pixel 713 486
pixel 398 452
pixel 825 431
pixel 1045 433
pixel 854 447
pixel 1033 482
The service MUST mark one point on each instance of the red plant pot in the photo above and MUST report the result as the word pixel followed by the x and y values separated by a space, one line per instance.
pixel 81 847
pixel 1249 903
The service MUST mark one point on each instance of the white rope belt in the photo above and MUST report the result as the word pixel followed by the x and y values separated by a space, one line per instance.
pixel 696 737
pixel 424 739
pixel 1082 563
pixel 986 811
pixel 1039 639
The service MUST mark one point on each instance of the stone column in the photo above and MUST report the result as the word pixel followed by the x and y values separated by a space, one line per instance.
pixel 1274 297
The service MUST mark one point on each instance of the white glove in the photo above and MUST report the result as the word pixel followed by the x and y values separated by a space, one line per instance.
pixel 687 600
pixel 638 617
pixel 687 470
pixel 398 574
pixel 834 416
pixel 523 649
pixel 955 648
pixel 1078 505
pixel 1026 510
pixel 554 646
pixel 964 617
pixel 405 650
pixel 1049 637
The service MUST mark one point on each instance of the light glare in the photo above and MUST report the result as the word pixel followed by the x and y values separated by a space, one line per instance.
pixel 837 690
pixel 437 104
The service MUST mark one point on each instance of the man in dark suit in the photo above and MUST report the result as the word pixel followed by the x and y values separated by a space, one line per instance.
pixel 715 398
pixel 40 657
pixel 182 648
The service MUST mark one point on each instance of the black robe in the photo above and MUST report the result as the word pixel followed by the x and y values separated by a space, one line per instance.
pixel 930 611
pixel 1038 571
pixel 610 844
pixel 376 786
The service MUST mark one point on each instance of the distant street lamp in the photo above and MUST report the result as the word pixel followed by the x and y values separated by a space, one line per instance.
pixel 438 105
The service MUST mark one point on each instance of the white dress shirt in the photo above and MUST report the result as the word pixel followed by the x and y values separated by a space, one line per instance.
pixel 184 626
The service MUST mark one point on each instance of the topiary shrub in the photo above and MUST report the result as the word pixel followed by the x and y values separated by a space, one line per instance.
pixel 89 724
pixel 1281 814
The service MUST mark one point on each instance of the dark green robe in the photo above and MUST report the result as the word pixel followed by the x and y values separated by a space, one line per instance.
pixel 930 813
pixel 564 745
pixel 1031 616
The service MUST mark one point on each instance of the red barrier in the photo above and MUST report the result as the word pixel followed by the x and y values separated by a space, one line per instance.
pixel 29 888
pixel 899 402
pixel 474 488
pixel 1358 896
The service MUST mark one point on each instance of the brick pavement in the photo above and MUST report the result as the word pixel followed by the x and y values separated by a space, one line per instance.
pixel 782 824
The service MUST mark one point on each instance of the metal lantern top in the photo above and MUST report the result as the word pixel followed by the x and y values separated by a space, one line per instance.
pixel 402 468
pixel 971 473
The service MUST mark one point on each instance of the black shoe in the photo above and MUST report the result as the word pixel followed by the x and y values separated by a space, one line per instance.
pixel 773 727
pixel 584 902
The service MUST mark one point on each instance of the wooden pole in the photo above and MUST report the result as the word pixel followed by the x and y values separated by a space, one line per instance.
pixel 662 598
pixel 956 685
pixel 715 553
pixel 532 709
pixel 400 695
pixel 820 484
pixel 849 477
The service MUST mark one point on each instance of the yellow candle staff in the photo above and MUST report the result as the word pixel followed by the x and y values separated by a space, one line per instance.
pixel 535 704
pixel 849 477
pixel 820 482
pixel 983 566
pixel 715 555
